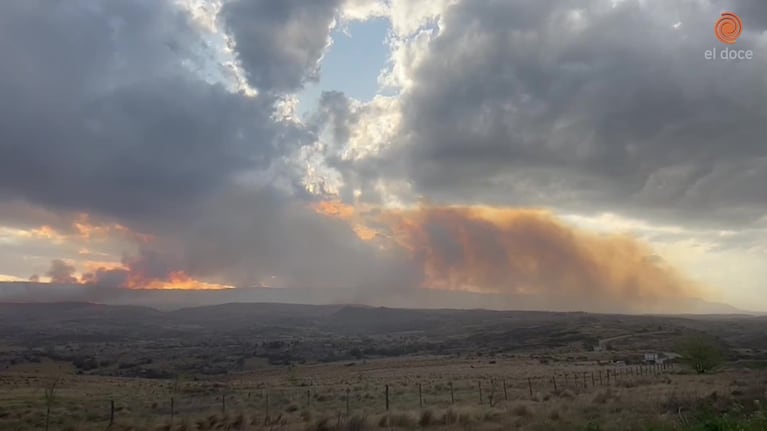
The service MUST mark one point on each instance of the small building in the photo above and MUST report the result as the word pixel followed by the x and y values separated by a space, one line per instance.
pixel 654 358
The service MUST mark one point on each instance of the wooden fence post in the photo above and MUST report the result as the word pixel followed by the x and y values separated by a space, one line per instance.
pixel 452 394
pixel 347 401
pixel 111 412
pixel 420 396
pixel 593 381
pixel 505 393
pixel 172 410
pixel 223 403
pixel 608 377
pixel 480 391
pixel 266 405
pixel 308 398
pixel 387 397
pixel 565 380
pixel 601 383
pixel 554 381
pixel 530 385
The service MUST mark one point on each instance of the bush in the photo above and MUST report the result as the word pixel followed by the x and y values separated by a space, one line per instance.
pixel 427 418
pixel 702 354
pixel 356 423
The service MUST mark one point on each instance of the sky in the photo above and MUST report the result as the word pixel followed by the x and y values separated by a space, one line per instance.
pixel 588 153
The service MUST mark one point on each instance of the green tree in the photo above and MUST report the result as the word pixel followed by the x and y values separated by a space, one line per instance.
pixel 702 354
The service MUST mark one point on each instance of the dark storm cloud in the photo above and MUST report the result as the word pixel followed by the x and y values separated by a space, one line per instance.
pixel 280 43
pixel 101 112
pixel 107 113
pixel 588 105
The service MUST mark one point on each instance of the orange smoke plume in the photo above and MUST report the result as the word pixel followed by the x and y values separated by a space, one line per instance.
pixel 529 252
pixel 522 253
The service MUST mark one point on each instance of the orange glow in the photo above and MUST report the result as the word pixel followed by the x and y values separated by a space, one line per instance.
pixel 133 279
pixel 88 230
pixel 339 210
pixel 6 278
pixel 335 209
pixel 365 233
pixel 93 265
pixel 43 232
pixel 177 280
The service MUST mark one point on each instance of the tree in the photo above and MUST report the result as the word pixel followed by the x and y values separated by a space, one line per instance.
pixel 702 354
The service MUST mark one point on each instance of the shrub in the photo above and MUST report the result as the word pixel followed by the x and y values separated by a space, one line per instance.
pixel 356 423
pixel 402 420
pixel 522 411
pixel 702 354
pixel 427 418
pixel 450 417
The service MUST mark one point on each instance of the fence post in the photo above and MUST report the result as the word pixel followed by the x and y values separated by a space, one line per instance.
pixel 505 393
pixel 387 396
pixel 172 410
pixel 111 412
pixel 480 391
pixel 266 405
pixel 452 394
pixel 601 383
pixel 593 381
pixel 530 385
pixel 565 379
pixel 308 398
pixel 608 377
pixel 554 381
pixel 347 401
pixel 223 403
pixel 420 395
pixel 584 380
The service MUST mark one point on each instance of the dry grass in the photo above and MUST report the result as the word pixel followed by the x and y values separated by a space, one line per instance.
pixel 278 400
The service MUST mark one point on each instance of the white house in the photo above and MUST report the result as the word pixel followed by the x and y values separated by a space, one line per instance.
pixel 654 358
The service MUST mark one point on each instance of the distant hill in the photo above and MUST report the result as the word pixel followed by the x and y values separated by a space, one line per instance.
pixel 396 298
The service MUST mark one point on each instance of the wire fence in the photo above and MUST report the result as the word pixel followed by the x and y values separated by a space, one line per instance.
pixel 346 400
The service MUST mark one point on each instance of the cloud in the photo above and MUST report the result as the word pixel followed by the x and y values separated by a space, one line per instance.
pixel 61 272
pixel 142 119
pixel 576 106
pixel 264 237
pixel 112 119
pixel 522 252
pixel 127 120
pixel 148 270
pixel 280 44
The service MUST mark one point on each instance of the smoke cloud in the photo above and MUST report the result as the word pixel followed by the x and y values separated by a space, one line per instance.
pixel 61 272
pixel 148 270
pixel 531 254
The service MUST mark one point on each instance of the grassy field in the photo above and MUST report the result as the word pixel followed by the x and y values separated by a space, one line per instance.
pixel 420 397
pixel 84 367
